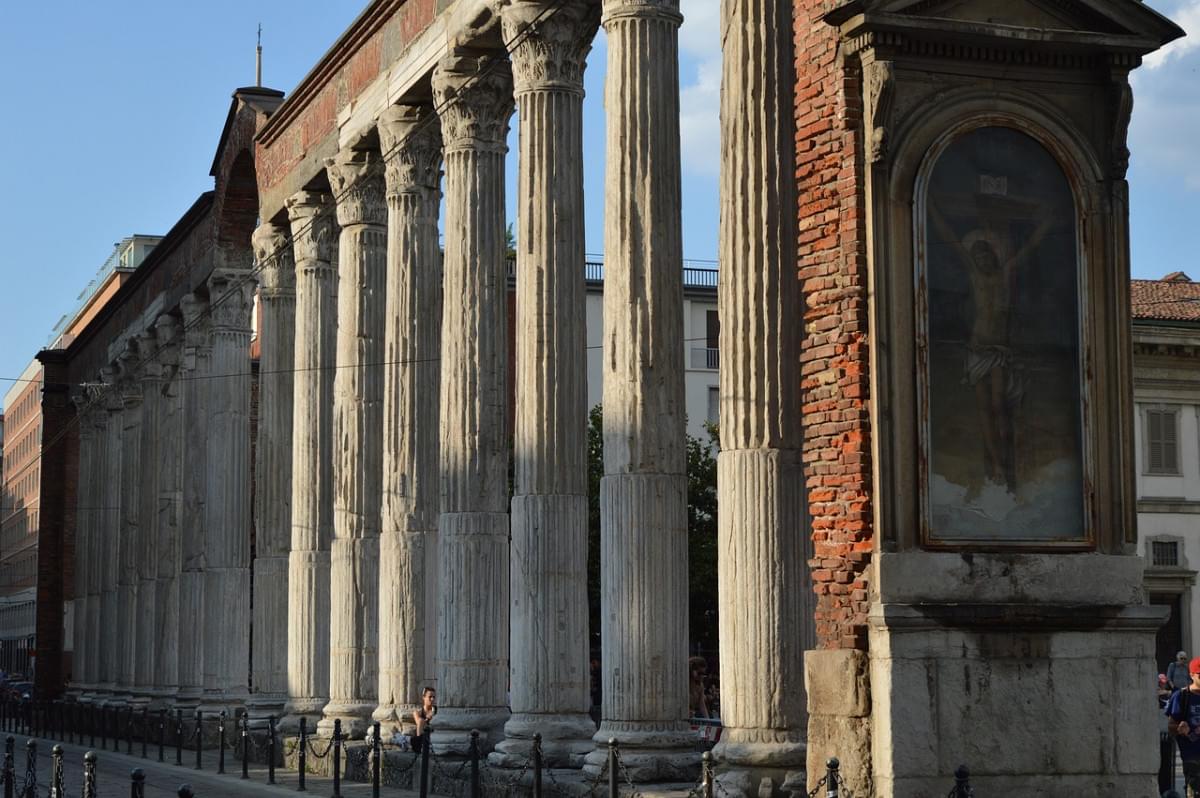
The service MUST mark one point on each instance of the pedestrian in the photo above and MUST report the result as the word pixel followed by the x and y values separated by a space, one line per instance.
pixel 698 702
pixel 1177 673
pixel 1183 713
pixel 422 717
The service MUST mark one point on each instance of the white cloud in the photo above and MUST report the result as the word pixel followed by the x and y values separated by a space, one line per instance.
pixel 700 89
pixel 1187 16
pixel 700 33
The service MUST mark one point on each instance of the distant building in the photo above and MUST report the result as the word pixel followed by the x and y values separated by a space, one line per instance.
pixel 1166 395
pixel 20 475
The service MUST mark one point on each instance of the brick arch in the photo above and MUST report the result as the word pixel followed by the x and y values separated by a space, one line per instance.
pixel 237 204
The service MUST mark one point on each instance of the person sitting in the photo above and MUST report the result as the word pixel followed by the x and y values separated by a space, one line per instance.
pixel 422 717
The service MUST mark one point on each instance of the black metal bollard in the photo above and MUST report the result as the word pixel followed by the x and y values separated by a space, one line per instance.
pixel 162 732
pixel 832 778
pixel 145 729
pixel 962 782
pixel 271 749
pixel 537 766
pixel 245 744
pixel 179 737
pixel 221 742
pixel 474 753
pixel 56 772
pixel 425 762
pixel 337 758
pixel 129 733
pixel 10 775
pixel 185 791
pixel 137 784
pixel 91 713
pixel 707 774
pixel 89 775
pixel 376 757
pixel 613 784
pixel 199 737
pixel 31 783
pixel 302 757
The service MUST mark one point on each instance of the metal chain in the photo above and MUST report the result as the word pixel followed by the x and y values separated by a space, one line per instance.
pixel 598 778
pixel 821 783
pixel 58 777
pixel 312 749
pixel 30 787
pixel 625 774
pixel 505 784
pixel 843 790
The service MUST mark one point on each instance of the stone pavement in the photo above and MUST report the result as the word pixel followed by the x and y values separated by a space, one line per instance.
pixel 163 779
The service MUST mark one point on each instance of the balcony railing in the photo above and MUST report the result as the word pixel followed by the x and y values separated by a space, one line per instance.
pixel 705 358
pixel 593 272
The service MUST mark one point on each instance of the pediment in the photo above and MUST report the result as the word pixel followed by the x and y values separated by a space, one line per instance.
pixel 1122 24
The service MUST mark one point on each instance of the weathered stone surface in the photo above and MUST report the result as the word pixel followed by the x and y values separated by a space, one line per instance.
pixel 548 616
pixel 273 467
pixel 473 95
pixel 110 536
pixel 129 539
pixel 166 585
pixel 643 493
pixel 314 249
pixel 410 139
pixel 150 434
pixel 83 659
pixel 356 178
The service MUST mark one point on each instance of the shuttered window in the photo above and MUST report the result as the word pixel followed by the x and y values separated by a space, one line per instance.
pixel 1164 553
pixel 1162 441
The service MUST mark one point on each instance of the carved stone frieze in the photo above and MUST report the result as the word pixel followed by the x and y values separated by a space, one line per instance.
pixel 276 264
pixel 410 137
pixel 356 178
pixel 474 97
pixel 879 81
pixel 314 236
pixel 549 50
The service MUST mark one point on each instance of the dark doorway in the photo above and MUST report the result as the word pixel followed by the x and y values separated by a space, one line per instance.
pixel 1170 635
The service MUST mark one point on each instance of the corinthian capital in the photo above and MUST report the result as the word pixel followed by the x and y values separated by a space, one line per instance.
pixel 231 296
pixel 549 48
pixel 356 177
pixel 166 330
pixel 276 265
pixel 313 235
pixel 411 139
pixel 666 10
pixel 474 99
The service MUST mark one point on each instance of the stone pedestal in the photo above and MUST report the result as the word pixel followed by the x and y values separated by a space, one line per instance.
pixel 167 510
pixel 766 612
pixel 550 679
pixel 356 178
pixel 313 246
pixel 411 141
pixel 226 607
pixel 474 98
pixel 643 495
pixel 195 371
pixel 273 469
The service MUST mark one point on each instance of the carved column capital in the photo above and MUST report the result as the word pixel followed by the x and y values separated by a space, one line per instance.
pixel 356 177
pixel 410 137
pixel 167 332
pixel 147 350
pixel 127 376
pixel 474 97
pixel 550 49
pixel 231 297
pixel 276 263
pixel 313 235
pixel 665 10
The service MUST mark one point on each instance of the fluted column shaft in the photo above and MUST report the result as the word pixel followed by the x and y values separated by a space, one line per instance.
pixel 227 508
pixel 273 467
pixel 474 98
pixel 643 495
pixel 766 613
pixel 167 512
pixel 196 372
pixel 129 545
pixel 82 656
pixel 356 178
pixel 150 378
pixel 411 141
pixel 549 640
pixel 93 549
pixel 110 537
pixel 314 249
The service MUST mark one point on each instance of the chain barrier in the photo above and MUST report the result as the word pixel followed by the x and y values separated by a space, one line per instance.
pixel 30 789
pixel 56 773
pixel 597 779
pixel 962 784
pixel 89 775
pixel 312 749
pixel 633 790
pixel 832 781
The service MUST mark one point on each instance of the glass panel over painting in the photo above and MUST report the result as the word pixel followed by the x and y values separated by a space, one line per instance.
pixel 1003 379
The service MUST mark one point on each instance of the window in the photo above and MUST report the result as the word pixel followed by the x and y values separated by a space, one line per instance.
pixel 714 404
pixel 1162 440
pixel 1164 553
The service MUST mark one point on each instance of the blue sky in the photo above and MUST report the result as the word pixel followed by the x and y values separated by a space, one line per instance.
pixel 113 111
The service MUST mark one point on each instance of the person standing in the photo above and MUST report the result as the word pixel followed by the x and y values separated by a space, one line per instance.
pixel 1177 673
pixel 1183 714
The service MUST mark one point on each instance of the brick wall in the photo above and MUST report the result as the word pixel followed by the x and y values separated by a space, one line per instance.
pixel 835 381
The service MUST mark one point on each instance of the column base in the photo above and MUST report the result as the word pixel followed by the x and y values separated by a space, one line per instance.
pixel 566 740
pixel 231 703
pixel 393 718
pixel 188 698
pixel 355 718
pixel 307 708
pixel 648 751
pixel 760 762
pixel 453 726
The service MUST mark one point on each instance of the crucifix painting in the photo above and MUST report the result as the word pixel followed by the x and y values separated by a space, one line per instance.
pixel 1003 376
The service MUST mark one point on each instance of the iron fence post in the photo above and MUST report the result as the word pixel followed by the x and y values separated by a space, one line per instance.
pixel 9 767
pixel 30 769
pixel 832 775
pixel 613 782
pixel 137 783
pixel 271 749
pixel 245 744
pixel 145 729
pixel 337 758
pixel 537 766
pixel 302 758
pixel 962 782
pixel 474 763
pixel 56 772
pixel 376 753
pixel 425 762
pixel 91 714
pixel 129 733
pixel 707 774
pixel 89 775
pixel 199 737
pixel 179 737
pixel 221 742
pixel 162 732
pixel 185 791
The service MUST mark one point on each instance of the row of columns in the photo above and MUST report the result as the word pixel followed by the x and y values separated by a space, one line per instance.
pixel 157 528
pixel 389 552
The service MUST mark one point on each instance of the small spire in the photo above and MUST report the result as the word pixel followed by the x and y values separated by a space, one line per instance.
pixel 258 59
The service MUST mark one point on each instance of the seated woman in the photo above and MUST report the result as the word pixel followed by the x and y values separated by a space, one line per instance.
pixel 422 718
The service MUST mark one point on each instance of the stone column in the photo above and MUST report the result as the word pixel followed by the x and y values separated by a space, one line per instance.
pixel 474 98
pixel 411 141
pixel 94 549
pixel 273 467
pixel 195 371
pixel 227 508
pixel 167 511
pixel 643 495
pixel 126 632
pixel 550 691
pixel 766 613
pixel 356 178
pixel 110 540
pixel 86 505
pixel 150 378
pixel 313 246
